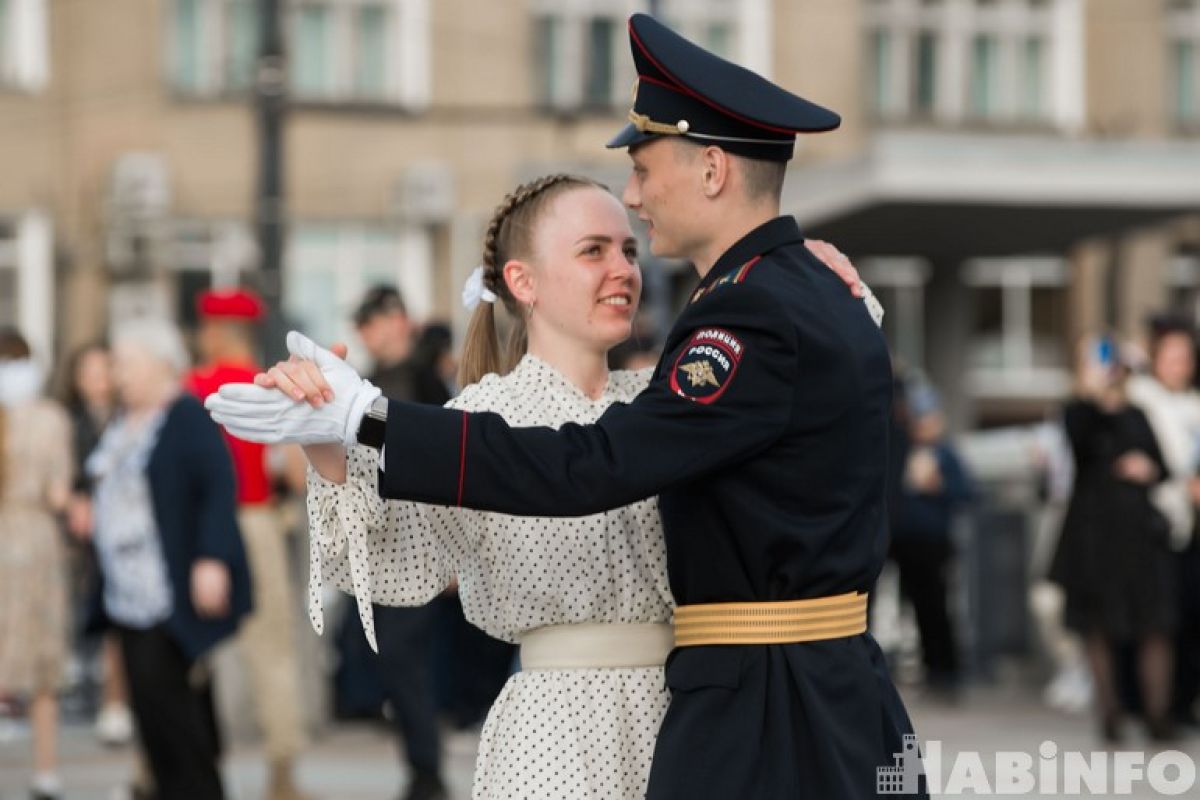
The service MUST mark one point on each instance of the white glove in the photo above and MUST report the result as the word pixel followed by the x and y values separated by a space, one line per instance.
pixel 258 414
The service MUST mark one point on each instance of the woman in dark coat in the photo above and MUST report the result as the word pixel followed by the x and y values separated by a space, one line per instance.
pixel 174 574
pixel 1113 559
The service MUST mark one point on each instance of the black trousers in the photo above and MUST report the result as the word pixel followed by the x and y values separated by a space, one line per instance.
pixel 471 667
pixel 1187 637
pixel 924 564
pixel 175 716
pixel 403 636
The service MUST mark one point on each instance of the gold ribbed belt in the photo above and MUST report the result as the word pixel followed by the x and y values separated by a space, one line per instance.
pixel 771 623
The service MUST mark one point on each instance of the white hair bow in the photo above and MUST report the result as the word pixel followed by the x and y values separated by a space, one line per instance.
pixel 474 291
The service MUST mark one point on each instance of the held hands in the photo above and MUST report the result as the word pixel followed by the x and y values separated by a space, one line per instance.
pixel 312 398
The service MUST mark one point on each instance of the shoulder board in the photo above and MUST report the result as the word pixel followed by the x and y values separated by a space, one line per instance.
pixel 728 279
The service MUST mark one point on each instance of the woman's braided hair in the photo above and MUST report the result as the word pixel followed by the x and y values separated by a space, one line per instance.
pixel 509 235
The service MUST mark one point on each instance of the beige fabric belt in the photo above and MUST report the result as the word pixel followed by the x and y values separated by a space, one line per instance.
pixel 597 645
pixel 787 622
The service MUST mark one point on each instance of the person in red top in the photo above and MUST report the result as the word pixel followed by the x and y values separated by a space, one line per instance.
pixel 225 341
pixel 225 337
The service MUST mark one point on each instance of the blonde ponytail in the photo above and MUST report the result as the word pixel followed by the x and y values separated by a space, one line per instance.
pixel 481 350
pixel 509 235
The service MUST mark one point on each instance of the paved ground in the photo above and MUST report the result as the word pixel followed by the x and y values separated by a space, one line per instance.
pixel 359 762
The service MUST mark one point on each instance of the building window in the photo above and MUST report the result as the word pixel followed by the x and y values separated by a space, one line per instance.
pixel 312 61
pixel 711 23
pixel 1183 284
pixel 8 273
pixel 24 45
pixel 899 283
pixel 718 38
pixel 4 23
pixel 1018 344
pixel 330 265
pixel 580 46
pixel 983 77
pixel 242 55
pixel 213 45
pixel 339 51
pixel 1183 36
pixel 370 52
pixel 579 54
pixel 925 77
pixel 972 60
pixel 1032 76
pixel 881 57
pixel 550 56
pixel 598 77
pixel 1187 107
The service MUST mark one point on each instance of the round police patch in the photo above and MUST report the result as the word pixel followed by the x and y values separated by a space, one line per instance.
pixel 706 365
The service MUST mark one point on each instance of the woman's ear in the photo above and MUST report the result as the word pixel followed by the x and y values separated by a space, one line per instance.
pixel 519 277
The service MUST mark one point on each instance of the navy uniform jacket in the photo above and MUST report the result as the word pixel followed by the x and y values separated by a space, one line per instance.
pixel 764 433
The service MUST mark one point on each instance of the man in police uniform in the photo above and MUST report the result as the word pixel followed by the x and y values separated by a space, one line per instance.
pixel 764 433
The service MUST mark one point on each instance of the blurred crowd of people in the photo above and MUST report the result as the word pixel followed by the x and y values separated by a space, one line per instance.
pixel 1126 560
pixel 136 537
pixel 1118 597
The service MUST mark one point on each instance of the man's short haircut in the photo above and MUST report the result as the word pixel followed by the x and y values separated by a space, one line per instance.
pixel 764 179
pixel 381 299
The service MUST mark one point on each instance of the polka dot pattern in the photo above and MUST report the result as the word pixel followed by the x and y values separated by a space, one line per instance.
pixel 585 734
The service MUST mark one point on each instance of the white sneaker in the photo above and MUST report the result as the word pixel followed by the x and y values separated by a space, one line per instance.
pixel 114 725
pixel 46 786
pixel 1070 691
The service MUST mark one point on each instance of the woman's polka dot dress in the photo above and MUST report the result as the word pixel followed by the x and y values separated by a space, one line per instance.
pixel 583 734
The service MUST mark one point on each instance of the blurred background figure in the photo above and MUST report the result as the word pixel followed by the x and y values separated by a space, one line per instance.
pixel 1172 405
pixel 403 669
pixel 91 402
pixel 434 365
pixel 1069 685
pixel 35 482
pixel 1005 184
pixel 1113 559
pixel 225 340
pixel 933 487
pixel 174 575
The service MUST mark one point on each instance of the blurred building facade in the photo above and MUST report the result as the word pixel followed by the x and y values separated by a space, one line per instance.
pixel 1009 174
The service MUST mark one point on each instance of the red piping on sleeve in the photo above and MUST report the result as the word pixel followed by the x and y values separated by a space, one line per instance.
pixel 462 460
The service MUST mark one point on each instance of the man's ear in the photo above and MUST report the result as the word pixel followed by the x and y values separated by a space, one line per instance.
pixel 716 165
pixel 522 285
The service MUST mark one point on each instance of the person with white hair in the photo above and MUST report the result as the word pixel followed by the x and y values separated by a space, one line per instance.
pixel 174 575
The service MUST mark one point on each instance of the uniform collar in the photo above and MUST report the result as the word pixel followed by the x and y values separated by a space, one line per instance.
pixel 760 241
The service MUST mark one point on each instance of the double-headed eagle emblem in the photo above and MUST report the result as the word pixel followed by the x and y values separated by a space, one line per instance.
pixel 700 373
